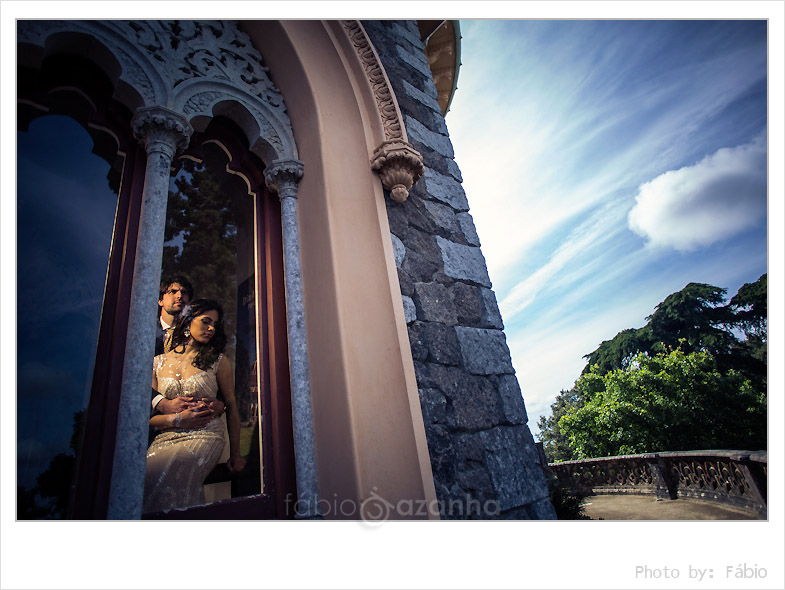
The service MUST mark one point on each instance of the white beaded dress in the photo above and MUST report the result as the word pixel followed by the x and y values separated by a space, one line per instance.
pixel 179 459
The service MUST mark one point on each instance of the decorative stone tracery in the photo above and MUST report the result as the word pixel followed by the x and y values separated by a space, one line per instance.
pixel 396 161
pixel 196 69
pixel 736 478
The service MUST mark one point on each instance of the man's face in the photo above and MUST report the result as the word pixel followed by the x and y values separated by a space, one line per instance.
pixel 174 299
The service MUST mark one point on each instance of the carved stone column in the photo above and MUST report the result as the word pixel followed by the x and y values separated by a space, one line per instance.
pixel 282 177
pixel 163 133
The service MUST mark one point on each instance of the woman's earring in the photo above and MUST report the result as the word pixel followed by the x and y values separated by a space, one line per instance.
pixel 187 333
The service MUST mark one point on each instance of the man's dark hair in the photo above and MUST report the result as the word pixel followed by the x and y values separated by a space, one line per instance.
pixel 169 280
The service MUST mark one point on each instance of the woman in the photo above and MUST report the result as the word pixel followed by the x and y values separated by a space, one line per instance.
pixel 190 442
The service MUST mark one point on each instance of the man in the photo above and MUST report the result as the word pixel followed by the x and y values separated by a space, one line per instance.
pixel 174 295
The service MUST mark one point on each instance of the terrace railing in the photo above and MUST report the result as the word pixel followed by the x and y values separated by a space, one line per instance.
pixel 735 478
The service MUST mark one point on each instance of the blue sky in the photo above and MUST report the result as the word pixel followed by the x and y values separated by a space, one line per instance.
pixel 63 246
pixel 611 163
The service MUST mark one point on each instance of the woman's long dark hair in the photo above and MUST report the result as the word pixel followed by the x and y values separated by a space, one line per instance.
pixel 208 353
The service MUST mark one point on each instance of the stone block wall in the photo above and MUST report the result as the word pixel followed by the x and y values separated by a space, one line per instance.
pixel 483 456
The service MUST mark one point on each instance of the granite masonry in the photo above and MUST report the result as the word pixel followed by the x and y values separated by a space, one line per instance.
pixel 484 460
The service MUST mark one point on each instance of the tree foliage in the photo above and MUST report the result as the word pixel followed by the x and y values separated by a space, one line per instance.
pixel 556 443
pixel 693 318
pixel 51 495
pixel 750 308
pixel 201 237
pixel 673 401
pixel 698 344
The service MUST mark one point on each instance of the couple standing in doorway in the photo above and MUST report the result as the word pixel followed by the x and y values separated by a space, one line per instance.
pixel 190 373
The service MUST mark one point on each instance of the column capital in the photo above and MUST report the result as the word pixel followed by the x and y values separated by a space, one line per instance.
pixel 161 130
pixel 399 165
pixel 282 176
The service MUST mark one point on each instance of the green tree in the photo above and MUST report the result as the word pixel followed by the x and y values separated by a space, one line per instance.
pixel 695 318
pixel 617 352
pixel 54 484
pixel 692 320
pixel 201 237
pixel 666 402
pixel 751 318
pixel 750 308
pixel 556 444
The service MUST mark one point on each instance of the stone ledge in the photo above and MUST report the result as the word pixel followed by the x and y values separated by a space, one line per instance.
pixel 454 170
pixel 434 303
pixel 409 309
pixel 408 34
pixel 464 262
pixel 491 317
pixel 418 61
pixel 468 303
pixel 434 406
pixel 421 97
pixel 511 400
pixel 484 351
pixel 437 142
pixel 399 250
pixel 441 342
pixel 466 223
pixel 445 189
pixel 513 466
pixel 444 217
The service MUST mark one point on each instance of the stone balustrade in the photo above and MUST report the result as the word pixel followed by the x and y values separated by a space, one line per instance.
pixel 736 478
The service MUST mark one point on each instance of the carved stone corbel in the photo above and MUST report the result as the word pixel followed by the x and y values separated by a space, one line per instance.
pixel 399 165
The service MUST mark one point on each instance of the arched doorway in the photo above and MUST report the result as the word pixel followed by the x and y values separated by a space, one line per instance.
pixel 75 74
pixel 224 233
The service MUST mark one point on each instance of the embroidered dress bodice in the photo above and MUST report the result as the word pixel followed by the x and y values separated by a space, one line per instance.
pixel 191 383
pixel 179 459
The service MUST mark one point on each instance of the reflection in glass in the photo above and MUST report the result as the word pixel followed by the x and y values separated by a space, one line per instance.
pixel 210 239
pixel 65 219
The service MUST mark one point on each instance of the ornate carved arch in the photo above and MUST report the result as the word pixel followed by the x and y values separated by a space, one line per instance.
pixel 195 69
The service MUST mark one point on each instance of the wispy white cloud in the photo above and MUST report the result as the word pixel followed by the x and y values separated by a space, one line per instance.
pixel 695 206
pixel 591 234
pixel 556 125
pixel 559 135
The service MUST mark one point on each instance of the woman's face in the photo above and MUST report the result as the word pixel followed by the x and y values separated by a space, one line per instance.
pixel 203 326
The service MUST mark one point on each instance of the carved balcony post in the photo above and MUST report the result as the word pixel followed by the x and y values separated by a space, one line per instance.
pixel 662 480
pixel 163 133
pixel 282 176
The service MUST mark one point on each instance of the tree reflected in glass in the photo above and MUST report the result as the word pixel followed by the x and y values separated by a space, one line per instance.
pixel 210 239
